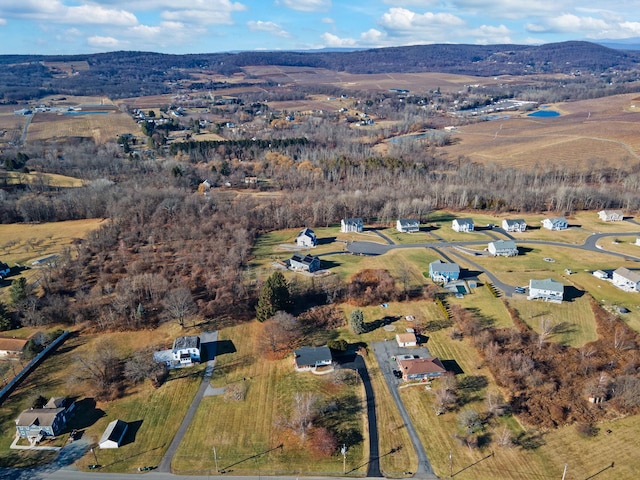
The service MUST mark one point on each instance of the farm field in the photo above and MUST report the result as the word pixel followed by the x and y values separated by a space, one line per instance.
pixel 37 178
pixel 588 132
pixel 99 127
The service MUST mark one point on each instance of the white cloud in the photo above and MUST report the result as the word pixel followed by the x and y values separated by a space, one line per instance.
pixel 269 27
pixel 3 21
pixel 106 43
pixel 331 40
pixel 328 20
pixel 54 11
pixel 488 34
pixel 306 5
pixel 405 22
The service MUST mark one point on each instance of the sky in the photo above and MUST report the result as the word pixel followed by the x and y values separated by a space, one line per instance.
pixel 205 26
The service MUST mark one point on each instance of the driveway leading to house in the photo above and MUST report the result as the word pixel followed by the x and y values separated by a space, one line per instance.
pixel 384 351
pixel 208 344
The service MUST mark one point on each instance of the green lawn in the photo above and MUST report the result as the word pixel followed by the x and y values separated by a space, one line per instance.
pixel 245 432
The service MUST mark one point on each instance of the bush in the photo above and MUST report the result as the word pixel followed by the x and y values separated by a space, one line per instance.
pixel 339 345
pixel 587 430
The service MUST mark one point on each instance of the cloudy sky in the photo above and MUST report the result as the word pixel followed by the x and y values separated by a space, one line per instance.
pixel 199 26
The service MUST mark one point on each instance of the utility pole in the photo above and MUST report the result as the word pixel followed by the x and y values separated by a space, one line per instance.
pixel 343 451
pixel 450 464
pixel 95 456
pixel 565 471
pixel 215 458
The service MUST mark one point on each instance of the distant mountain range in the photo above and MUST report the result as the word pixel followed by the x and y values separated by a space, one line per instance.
pixel 121 74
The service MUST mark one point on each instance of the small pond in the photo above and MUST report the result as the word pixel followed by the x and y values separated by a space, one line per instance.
pixel 544 114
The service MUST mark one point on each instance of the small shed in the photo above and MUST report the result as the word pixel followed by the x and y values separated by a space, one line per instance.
pixel 406 339
pixel 114 434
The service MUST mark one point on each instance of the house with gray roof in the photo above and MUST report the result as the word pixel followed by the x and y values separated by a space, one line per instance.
pixel 440 271
pixel 4 270
pixel 304 263
pixel 351 225
pixel 306 238
pixel 503 248
pixel 408 225
pixel 186 350
pixel 557 223
pixel 611 215
pixel 310 358
pixel 626 279
pixel 515 225
pixel 463 225
pixel 548 290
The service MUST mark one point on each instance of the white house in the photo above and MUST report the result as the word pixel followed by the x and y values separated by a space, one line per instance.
pixel 306 238
pixel 186 350
pixel 548 290
pixel 351 225
pixel 611 215
pixel 558 223
pixel 304 263
pixel 515 225
pixel 406 339
pixel 407 226
pixel 463 225
pixel 626 279
pixel 503 248
pixel 114 434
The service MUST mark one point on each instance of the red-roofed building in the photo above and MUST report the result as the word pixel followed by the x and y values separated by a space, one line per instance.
pixel 421 368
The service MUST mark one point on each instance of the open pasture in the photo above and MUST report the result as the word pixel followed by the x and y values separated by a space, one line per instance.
pixel 26 242
pixel 602 132
pixel 100 127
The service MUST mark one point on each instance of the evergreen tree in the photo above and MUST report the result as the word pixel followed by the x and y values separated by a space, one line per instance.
pixel 18 291
pixel 357 321
pixel 274 297
pixel 5 318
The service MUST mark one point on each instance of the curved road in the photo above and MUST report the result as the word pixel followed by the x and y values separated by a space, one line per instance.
pixel 590 244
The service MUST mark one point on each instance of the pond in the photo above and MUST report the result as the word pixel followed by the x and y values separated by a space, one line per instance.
pixel 104 112
pixel 544 114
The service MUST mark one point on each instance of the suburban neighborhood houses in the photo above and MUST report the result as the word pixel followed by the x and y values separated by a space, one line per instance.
pixel 548 290
pixel 611 215
pixel 556 223
pixel 503 248
pixel 463 225
pixel 514 225
pixel 626 279
pixel 407 226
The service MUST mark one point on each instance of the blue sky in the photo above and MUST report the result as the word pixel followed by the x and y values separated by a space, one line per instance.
pixel 201 26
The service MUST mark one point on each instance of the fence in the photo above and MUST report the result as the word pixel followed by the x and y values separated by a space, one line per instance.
pixel 22 374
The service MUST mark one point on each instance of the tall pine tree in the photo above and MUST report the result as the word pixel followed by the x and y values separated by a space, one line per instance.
pixel 274 297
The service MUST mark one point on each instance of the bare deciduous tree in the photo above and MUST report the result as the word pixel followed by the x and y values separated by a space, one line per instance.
pixel 179 305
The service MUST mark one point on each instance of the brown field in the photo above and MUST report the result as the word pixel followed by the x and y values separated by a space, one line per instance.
pixel 102 128
pixel 599 132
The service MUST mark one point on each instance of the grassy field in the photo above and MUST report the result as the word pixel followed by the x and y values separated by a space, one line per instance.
pixel 44 179
pixel 21 244
pixel 270 386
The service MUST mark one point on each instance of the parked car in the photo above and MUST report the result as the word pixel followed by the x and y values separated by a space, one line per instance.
pixel 519 290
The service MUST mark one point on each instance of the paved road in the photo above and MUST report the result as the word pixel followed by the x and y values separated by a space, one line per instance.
pixel 384 351
pixel 208 340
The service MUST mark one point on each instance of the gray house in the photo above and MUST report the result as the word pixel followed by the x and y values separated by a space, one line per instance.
pixel 548 290
pixel 351 225
pixel 503 248
pixel 611 215
pixel 558 223
pixel 407 225
pixel 304 263
pixel 49 421
pixel 440 271
pixel 310 358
